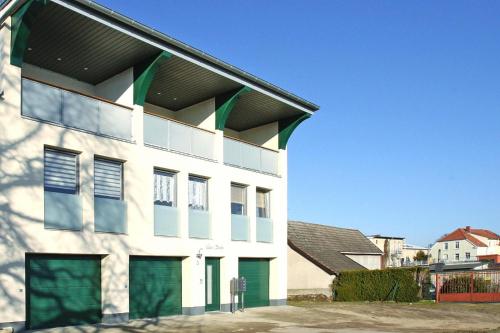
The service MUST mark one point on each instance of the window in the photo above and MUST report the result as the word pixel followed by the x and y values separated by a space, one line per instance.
pixel 263 203
pixel 164 188
pixel 198 193
pixel 238 199
pixel 445 257
pixel 446 246
pixel 467 255
pixel 457 256
pixel 60 172
pixel 457 245
pixel 108 179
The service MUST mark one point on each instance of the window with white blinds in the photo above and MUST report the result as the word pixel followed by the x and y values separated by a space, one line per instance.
pixel 198 193
pixel 164 188
pixel 238 199
pixel 60 171
pixel 108 179
pixel 263 203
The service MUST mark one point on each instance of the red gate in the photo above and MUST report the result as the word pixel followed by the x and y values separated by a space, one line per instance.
pixel 474 286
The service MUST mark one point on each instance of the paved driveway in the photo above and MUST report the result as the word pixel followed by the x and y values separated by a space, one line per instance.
pixel 325 317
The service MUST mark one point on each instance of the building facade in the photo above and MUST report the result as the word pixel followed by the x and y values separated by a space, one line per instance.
pixel 465 245
pixel 410 252
pixel 392 247
pixel 138 176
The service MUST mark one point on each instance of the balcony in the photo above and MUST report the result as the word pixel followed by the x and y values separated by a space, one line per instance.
pixel 110 215
pixel 199 224
pixel 247 156
pixel 59 106
pixel 181 138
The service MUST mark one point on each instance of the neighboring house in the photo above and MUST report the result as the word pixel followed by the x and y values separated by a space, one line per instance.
pixel 392 247
pixel 465 245
pixel 317 253
pixel 409 253
pixel 138 175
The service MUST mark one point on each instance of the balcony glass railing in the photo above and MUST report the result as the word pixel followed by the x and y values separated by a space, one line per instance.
pixel 110 215
pixel 251 157
pixel 199 224
pixel 171 135
pixel 56 105
pixel 240 227
pixel 264 230
pixel 166 221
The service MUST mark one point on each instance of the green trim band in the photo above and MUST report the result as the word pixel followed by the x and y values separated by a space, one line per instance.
pixel 22 22
pixel 144 74
pixel 286 128
pixel 224 104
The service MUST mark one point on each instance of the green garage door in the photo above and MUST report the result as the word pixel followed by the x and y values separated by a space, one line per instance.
pixel 256 272
pixel 63 290
pixel 155 287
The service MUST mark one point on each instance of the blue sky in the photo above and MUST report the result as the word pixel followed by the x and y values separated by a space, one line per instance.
pixel 408 136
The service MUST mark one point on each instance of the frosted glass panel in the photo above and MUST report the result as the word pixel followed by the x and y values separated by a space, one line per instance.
pixel 248 156
pixel 155 131
pixel 180 137
pixel 41 101
pixel 109 215
pixel 115 121
pixel 264 230
pixel 80 111
pixel 240 227
pixel 166 221
pixel 62 211
pixel 199 224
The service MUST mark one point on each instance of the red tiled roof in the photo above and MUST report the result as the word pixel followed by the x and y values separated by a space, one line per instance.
pixel 485 233
pixel 461 234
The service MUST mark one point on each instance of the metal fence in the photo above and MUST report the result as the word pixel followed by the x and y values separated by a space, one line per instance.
pixel 473 286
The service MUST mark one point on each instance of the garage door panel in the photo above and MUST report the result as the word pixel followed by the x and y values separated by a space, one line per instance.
pixel 155 287
pixel 63 290
pixel 256 272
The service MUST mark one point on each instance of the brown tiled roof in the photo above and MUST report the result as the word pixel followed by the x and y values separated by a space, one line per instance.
pixel 324 245
pixel 461 234
pixel 485 233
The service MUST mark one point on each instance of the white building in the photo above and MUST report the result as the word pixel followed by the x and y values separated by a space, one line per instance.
pixel 465 245
pixel 138 176
pixel 410 251
pixel 392 247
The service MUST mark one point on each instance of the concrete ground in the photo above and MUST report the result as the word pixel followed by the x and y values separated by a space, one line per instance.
pixel 323 317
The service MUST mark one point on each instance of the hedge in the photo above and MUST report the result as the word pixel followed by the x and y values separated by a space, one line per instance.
pixel 391 284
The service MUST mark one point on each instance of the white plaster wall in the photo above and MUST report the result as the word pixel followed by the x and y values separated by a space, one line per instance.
pixel 21 209
pixel 118 89
pixel 366 260
pixel 303 274
pixel 464 247
pixel 265 135
pixel 201 115
pixel 37 73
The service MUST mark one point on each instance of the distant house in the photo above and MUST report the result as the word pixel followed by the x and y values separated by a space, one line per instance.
pixel 317 253
pixel 466 245
pixel 409 253
pixel 392 247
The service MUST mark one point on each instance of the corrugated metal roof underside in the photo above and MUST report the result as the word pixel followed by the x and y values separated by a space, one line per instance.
pixel 255 109
pixel 181 84
pixel 82 43
pixel 92 52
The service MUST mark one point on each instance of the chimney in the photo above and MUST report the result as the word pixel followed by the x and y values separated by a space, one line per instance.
pixel 467 228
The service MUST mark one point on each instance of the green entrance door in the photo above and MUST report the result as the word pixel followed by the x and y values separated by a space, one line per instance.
pixel 62 290
pixel 155 287
pixel 256 272
pixel 212 284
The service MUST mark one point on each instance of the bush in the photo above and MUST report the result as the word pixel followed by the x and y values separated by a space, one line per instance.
pixel 391 284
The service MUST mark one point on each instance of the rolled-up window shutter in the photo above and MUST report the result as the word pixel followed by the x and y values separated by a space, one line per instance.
pixel 60 171
pixel 108 179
